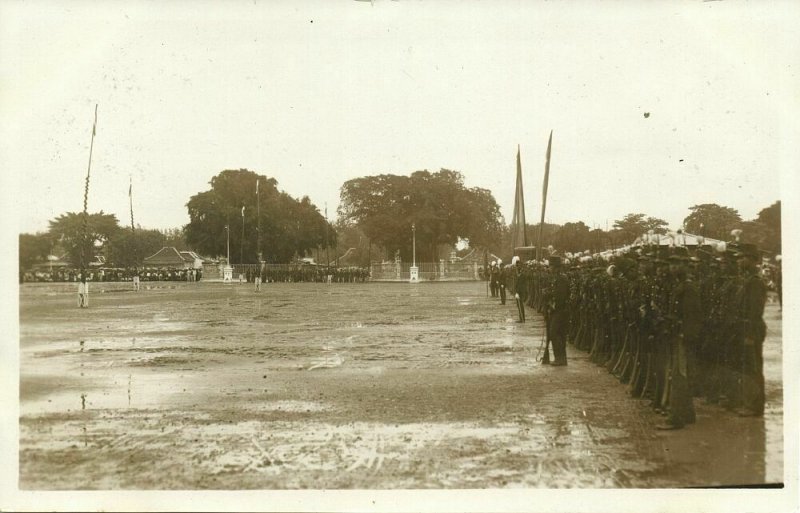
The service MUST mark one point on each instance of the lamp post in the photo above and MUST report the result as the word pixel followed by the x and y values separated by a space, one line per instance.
pixel 258 228
pixel 413 272
pixel 227 272
pixel 414 244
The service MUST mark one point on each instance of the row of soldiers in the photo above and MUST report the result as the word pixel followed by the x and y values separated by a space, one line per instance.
pixel 314 274
pixel 670 323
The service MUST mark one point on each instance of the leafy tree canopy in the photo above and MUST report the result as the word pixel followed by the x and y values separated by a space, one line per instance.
pixel 34 248
pixel 438 205
pixel 67 230
pixel 128 248
pixel 765 230
pixel 712 220
pixel 289 226
pixel 572 237
pixel 634 225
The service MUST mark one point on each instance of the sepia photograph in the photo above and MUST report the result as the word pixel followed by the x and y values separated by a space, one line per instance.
pixel 382 255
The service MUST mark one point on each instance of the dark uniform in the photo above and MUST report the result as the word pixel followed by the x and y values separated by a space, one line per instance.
pixel 502 276
pixel 683 323
pixel 751 301
pixel 557 314
pixel 521 290
pixel 494 273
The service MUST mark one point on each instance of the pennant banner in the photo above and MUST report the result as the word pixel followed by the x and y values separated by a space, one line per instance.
pixel 544 194
pixel 519 234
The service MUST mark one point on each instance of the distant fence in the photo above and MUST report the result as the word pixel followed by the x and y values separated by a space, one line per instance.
pixel 428 271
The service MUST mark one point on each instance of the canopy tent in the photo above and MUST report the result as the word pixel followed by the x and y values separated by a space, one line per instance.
pixel 673 238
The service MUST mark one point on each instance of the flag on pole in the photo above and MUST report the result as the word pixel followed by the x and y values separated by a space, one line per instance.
pixel 544 193
pixel 257 180
pixel 518 229
pixel 546 173
pixel 242 210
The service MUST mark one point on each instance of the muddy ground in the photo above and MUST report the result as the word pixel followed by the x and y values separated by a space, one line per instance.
pixel 213 386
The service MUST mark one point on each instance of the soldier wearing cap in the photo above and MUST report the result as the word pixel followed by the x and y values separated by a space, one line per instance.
pixel 556 299
pixel 502 275
pixel 751 300
pixel 494 272
pixel 682 330
pixel 520 287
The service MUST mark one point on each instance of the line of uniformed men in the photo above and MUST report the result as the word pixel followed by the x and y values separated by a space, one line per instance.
pixel 670 323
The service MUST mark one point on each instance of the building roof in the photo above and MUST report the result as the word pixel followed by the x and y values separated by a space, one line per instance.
pixel 168 256
pixel 191 255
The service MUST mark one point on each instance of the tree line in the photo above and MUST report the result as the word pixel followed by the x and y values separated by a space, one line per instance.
pixel 379 217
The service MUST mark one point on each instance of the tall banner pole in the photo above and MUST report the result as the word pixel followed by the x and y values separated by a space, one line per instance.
pixel 241 245
pixel 519 230
pixel 258 227
pixel 134 251
pixel 544 195
pixel 85 224
pixel 257 277
pixel 83 290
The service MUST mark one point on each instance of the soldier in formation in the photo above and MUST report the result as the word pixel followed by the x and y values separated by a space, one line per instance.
pixel 494 275
pixel 670 323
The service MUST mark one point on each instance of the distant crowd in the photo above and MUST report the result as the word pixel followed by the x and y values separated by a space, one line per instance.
pixel 110 274
pixel 316 274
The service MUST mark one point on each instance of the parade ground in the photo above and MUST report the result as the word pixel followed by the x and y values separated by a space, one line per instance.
pixel 365 386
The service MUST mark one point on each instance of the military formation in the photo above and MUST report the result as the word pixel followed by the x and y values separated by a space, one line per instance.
pixel 672 323
pixel 308 273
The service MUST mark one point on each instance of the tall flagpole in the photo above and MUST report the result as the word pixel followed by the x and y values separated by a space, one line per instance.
pixel 130 196
pixel 327 244
pixel 85 227
pixel 135 276
pixel 258 237
pixel 544 195
pixel 133 228
pixel 258 227
pixel 241 246
pixel 518 220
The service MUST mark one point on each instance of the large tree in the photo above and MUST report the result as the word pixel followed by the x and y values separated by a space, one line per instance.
pixel 438 205
pixel 712 220
pixel 572 237
pixel 68 230
pixel 176 238
pixel 34 248
pixel 289 227
pixel 634 225
pixel 765 230
pixel 128 248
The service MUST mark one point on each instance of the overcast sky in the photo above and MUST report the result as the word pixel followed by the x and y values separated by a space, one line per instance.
pixel 314 94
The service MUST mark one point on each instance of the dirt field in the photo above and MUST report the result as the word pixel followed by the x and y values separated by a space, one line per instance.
pixel 214 386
